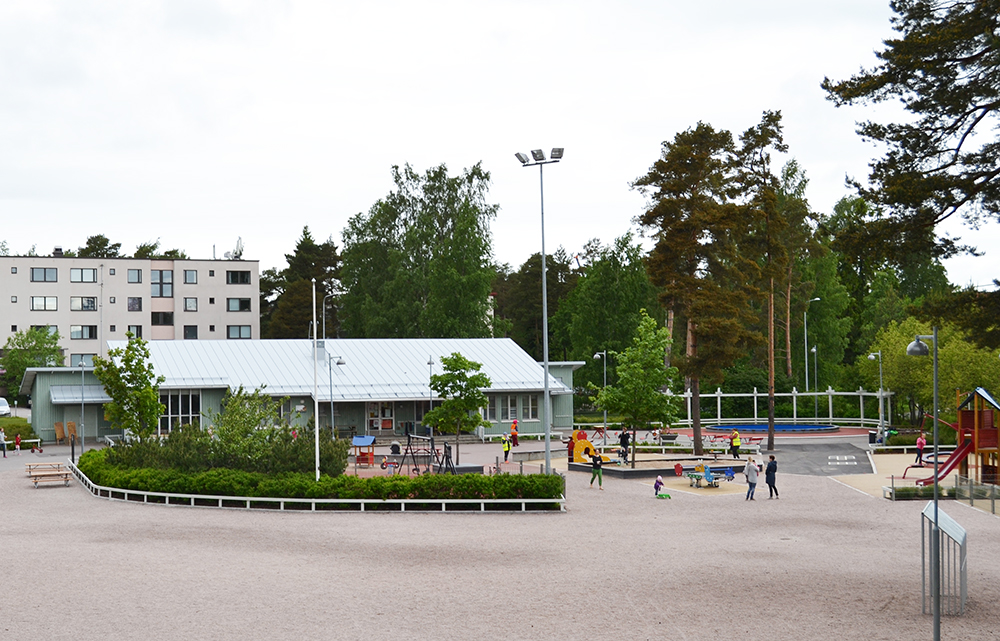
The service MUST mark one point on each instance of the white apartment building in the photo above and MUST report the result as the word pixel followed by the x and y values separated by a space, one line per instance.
pixel 94 300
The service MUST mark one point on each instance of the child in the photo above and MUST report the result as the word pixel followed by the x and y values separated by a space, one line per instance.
pixel 658 485
pixel 17 444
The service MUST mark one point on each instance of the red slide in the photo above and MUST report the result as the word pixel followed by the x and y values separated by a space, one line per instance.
pixel 956 457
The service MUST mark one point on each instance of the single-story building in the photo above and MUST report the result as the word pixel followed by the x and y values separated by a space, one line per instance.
pixel 367 386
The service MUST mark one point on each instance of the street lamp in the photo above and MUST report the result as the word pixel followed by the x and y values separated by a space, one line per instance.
pixel 324 323
pixel 919 348
pixel 805 338
pixel 315 379
pixel 83 436
pixel 603 355
pixel 430 394
pixel 539 159
pixel 815 383
pixel 329 361
pixel 881 413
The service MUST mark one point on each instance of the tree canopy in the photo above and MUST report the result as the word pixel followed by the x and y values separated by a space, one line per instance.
pixel 286 296
pixel 100 247
pixel 35 347
pixel 130 380
pixel 461 385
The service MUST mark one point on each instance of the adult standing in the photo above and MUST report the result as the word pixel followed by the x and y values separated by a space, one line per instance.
pixel 623 442
pixel 921 444
pixel 505 443
pixel 734 443
pixel 595 466
pixel 772 469
pixel 751 472
pixel 3 442
pixel 513 432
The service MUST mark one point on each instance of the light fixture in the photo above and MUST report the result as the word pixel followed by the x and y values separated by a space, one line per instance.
pixel 521 158
pixel 557 153
pixel 917 348
pixel 538 155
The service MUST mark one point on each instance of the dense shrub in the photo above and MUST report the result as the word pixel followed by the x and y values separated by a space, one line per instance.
pixel 906 493
pixel 227 482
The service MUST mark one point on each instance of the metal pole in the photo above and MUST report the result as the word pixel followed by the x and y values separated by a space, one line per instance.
pixel 315 378
pixel 805 343
pixel 816 381
pixel 430 391
pixel 881 400
pixel 547 409
pixel 936 532
pixel 604 360
pixel 329 369
pixel 83 436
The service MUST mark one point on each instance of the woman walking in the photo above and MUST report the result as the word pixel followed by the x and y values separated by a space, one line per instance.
pixel 751 471
pixel 921 444
pixel 596 472
pixel 772 469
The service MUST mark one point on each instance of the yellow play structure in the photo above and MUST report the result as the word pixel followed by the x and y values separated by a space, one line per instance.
pixel 578 445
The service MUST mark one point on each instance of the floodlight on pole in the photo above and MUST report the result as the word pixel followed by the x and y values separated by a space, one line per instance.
pixel 329 360
pixel 919 348
pixel 539 157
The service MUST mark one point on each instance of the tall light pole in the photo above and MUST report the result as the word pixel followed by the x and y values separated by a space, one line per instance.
pixel 881 413
pixel 430 393
pixel 603 355
pixel 918 348
pixel 315 379
pixel 816 382
pixel 83 436
pixel 539 159
pixel 324 317
pixel 329 361
pixel 805 338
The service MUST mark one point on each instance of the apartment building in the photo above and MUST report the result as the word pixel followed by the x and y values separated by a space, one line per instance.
pixel 94 300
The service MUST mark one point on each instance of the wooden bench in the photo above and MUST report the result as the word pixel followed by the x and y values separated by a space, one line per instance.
pixel 50 477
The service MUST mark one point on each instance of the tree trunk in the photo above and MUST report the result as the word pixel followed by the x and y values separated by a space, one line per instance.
pixel 770 367
pixel 670 332
pixel 633 446
pixel 692 351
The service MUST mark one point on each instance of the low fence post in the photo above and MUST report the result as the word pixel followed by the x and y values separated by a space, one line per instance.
pixel 972 491
pixel 892 483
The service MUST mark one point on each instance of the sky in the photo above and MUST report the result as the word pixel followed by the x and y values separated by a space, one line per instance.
pixel 201 123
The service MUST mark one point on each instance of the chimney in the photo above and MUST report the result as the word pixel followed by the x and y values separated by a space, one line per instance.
pixel 57 252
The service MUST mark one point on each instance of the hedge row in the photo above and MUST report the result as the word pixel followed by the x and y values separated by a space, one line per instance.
pixel 903 493
pixel 227 482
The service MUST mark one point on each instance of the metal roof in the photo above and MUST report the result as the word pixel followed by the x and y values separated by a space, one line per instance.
pixel 70 394
pixel 376 369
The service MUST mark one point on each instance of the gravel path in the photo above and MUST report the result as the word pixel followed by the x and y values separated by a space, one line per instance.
pixel 824 562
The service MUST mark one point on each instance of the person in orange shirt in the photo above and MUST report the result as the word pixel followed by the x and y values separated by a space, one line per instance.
pixel 513 432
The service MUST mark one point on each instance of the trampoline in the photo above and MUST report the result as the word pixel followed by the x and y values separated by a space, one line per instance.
pixel 779 428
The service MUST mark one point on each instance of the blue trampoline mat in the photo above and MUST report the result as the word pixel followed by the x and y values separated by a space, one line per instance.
pixel 778 427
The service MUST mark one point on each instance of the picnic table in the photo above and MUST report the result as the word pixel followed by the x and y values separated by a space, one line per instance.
pixel 47 472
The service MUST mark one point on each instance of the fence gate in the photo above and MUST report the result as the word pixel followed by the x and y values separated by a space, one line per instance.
pixel 952 557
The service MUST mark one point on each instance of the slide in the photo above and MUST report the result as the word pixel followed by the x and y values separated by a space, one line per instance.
pixel 944 470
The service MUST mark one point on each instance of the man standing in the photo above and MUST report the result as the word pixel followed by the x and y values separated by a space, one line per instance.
pixel 505 443
pixel 623 442
pixel 734 443
pixel 772 469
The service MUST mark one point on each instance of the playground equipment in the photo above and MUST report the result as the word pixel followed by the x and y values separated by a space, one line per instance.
pixel 977 439
pixel 364 450
pixel 578 448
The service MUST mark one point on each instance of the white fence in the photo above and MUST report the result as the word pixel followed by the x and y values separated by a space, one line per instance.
pixel 952 572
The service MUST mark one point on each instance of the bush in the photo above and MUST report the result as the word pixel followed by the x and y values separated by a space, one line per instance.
pixel 910 493
pixel 228 482
pixel 14 425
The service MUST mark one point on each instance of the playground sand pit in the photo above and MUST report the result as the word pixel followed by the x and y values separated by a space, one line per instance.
pixel 823 562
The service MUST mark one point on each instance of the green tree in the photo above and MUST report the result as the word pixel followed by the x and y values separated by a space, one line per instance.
pixel 638 394
pixel 151 249
pixel 36 347
pixel 286 296
pixel 461 385
pixel 130 380
pixel 100 247
pixel 943 67
pixel 695 261
pixel 418 263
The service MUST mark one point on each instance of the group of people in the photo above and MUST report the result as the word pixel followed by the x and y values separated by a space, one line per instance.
pixel 3 443
pixel 751 471
pixel 507 442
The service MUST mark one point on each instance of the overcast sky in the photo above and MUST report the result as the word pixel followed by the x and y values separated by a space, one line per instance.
pixel 198 122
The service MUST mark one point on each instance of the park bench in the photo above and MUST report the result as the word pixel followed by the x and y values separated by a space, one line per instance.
pixel 41 473
pixel 43 466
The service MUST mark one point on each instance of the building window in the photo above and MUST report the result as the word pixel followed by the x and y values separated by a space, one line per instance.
pixel 238 331
pixel 113 328
pixel 211 328
pixel 237 278
pixel 82 275
pixel 162 318
pixel 180 407
pixel 44 275
pixel 190 304
pixel 13 299
pixel 211 273
pixel 491 409
pixel 529 407
pixel 13 270
pixel 111 272
pixel 135 330
pixel 13 329
pixel 86 359
pixel 112 300
pixel 44 303
pixel 238 304
pixel 211 301
pixel 190 276
pixel 162 283
pixel 135 275
pixel 190 332
pixel 134 304
pixel 83 303
pixel 83 332
pixel 52 329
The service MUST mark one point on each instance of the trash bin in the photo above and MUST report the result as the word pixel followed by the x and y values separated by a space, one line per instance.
pixel 394 448
pixel 872 436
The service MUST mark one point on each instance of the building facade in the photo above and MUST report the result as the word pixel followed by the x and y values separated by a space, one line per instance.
pixel 91 301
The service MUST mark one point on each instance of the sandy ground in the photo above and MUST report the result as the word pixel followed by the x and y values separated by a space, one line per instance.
pixel 826 561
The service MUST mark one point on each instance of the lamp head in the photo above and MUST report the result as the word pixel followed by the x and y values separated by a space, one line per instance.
pixel 341 361
pixel 521 157
pixel 871 357
pixel 917 348
pixel 597 355
pixel 813 350
pixel 557 153
pixel 538 155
